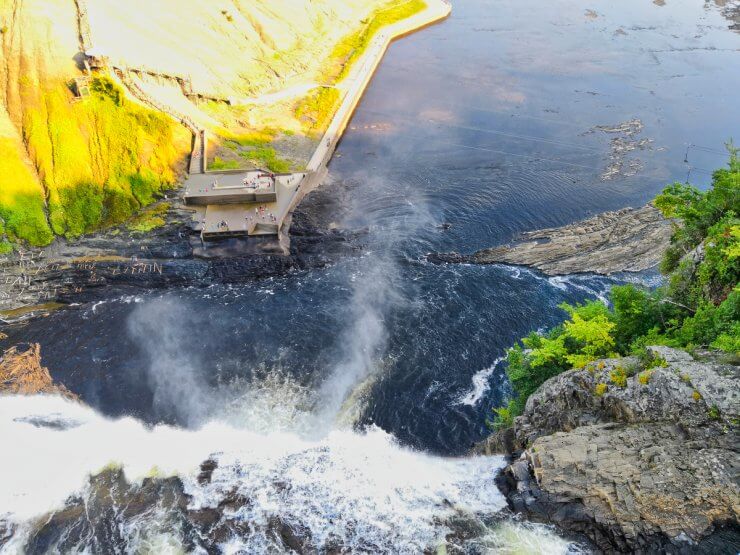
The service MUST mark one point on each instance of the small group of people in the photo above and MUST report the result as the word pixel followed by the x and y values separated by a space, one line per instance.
pixel 262 213
pixel 261 181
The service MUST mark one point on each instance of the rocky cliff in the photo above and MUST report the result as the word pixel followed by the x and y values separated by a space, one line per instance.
pixel 637 457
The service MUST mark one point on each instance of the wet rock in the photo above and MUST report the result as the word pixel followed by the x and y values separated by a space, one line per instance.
pixel 650 464
pixel 21 373
pixel 7 529
pixel 627 240
pixel 292 536
pixel 206 471
pixel 171 256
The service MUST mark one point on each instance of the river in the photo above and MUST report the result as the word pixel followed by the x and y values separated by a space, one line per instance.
pixel 362 385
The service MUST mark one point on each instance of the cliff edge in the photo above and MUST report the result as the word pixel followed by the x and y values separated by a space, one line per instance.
pixel 641 463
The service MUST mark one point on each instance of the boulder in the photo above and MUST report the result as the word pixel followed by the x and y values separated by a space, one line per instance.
pixel 636 459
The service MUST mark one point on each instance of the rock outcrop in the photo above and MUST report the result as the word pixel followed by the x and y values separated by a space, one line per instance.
pixel 636 459
pixel 627 240
pixel 21 373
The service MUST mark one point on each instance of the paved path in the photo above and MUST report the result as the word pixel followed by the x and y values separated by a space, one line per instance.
pixel 271 98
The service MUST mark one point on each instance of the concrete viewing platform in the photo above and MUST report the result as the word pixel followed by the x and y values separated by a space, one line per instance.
pixel 240 203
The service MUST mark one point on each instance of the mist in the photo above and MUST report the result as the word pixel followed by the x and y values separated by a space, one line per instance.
pixel 164 329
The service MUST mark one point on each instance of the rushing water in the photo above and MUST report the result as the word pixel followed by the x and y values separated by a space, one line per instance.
pixel 355 383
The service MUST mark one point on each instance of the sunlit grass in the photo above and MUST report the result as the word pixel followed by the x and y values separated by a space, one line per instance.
pixel 351 47
pixel 316 110
pixel 98 161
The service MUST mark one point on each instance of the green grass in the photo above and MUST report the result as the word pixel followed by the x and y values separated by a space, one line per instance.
pixel 351 47
pixel 97 162
pixel 316 110
pixel 149 219
pixel 221 164
pixel 5 247
pixel 267 158
pixel 255 148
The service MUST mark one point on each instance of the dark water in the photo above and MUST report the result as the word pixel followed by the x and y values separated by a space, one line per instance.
pixel 485 121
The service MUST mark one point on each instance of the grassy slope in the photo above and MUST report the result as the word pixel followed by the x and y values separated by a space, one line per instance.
pixel 98 161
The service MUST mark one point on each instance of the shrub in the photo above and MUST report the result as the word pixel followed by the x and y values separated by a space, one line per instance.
pixel 600 389
pixel 644 377
pixel 504 416
pixel 713 412
pixel 618 376
pixel 656 361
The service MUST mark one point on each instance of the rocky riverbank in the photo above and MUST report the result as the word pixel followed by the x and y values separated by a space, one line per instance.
pixel 637 456
pixel 34 282
pixel 627 240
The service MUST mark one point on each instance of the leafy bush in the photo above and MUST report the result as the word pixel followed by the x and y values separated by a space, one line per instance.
pixel 581 339
pixel 503 416
pixel 600 389
pixel 699 306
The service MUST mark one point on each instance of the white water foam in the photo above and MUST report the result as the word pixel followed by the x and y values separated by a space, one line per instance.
pixel 563 282
pixel 481 384
pixel 361 487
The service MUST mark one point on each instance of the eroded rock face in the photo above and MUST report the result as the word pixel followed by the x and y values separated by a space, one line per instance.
pixel 627 240
pixel 21 373
pixel 648 465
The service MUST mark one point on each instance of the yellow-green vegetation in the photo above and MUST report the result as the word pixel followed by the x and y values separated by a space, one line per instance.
pixel 696 396
pixel 316 110
pixel 618 376
pixel 656 361
pixel 97 162
pixel 699 306
pixel 221 164
pixel 644 377
pixel 504 418
pixel 255 148
pixel 21 198
pixel 351 47
pixel 5 247
pixel 713 412
pixel 149 219
pixel 600 389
